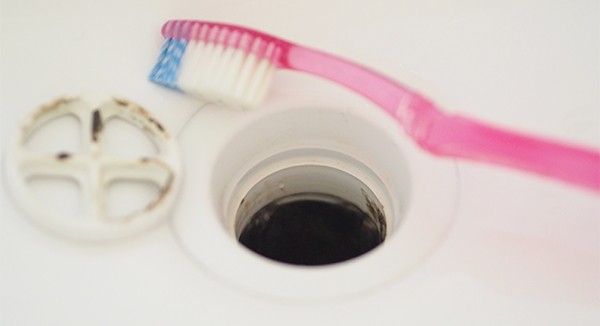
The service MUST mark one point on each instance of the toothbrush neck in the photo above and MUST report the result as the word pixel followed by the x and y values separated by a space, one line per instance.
pixel 451 135
pixel 384 92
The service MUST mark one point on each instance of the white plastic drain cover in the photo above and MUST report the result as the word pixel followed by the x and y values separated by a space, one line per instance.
pixel 94 170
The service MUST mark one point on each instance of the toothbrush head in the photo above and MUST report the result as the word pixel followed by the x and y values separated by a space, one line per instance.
pixel 220 63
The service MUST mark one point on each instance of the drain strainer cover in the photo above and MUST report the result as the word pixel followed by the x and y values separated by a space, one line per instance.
pixel 93 169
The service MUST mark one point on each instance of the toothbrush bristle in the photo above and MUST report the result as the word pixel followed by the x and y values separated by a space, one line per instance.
pixel 218 63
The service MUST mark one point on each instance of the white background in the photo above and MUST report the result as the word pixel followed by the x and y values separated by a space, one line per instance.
pixel 522 251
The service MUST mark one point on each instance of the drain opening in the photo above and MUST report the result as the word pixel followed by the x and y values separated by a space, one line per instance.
pixel 311 229
pixel 310 215
pixel 304 150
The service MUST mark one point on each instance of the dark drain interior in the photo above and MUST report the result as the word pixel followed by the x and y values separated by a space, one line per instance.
pixel 312 229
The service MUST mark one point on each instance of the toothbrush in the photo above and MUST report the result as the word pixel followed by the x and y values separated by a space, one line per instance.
pixel 233 65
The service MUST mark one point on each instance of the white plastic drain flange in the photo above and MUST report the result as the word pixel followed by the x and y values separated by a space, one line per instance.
pixel 418 193
pixel 93 169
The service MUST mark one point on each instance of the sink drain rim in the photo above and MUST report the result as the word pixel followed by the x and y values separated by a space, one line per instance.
pixel 213 246
pixel 319 182
pixel 267 167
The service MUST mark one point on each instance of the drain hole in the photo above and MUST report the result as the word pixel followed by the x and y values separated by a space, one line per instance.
pixel 312 229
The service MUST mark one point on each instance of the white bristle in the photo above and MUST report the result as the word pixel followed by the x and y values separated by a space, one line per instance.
pixel 224 66
pixel 184 80
pixel 207 81
pixel 255 83
pixel 185 75
pixel 232 72
pixel 244 78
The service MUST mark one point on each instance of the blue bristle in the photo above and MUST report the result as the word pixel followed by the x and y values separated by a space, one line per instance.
pixel 167 66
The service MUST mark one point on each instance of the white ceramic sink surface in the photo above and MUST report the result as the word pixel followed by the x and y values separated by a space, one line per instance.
pixel 519 250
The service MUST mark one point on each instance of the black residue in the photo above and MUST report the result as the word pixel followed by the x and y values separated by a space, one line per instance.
pixel 63 156
pixel 157 124
pixel 141 110
pixel 311 230
pixel 96 124
pixel 377 214
pixel 164 190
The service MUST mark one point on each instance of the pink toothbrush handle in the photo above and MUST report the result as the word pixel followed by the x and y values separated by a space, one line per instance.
pixel 457 136
pixel 453 136
pixel 384 92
